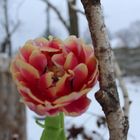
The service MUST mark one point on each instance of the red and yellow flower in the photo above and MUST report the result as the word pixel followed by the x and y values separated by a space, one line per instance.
pixel 55 76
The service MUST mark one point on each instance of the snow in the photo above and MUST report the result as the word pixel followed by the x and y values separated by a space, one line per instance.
pixel 89 121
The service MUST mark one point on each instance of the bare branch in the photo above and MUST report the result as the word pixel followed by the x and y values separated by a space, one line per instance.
pixel 123 88
pixel 58 14
pixel 73 19
pixel 15 28
pixel 75 8
pixel 107 96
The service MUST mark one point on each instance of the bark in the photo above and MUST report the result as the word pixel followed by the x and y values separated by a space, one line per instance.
pixel 107 96
pixel 73 18
pixel 12 112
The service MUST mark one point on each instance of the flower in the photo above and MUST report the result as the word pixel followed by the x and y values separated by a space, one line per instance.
pixel 55 76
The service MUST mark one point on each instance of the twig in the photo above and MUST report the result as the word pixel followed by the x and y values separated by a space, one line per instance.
pixel 127 101
pixel 58 14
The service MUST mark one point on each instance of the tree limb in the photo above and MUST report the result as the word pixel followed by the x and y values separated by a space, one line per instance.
pixel 127 101
pixel 107 96
pixel 73 18
pixel 58 14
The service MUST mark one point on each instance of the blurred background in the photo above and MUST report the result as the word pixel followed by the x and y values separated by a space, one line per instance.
pixel 21 20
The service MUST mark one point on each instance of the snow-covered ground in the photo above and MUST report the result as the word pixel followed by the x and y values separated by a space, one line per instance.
pixel 89 121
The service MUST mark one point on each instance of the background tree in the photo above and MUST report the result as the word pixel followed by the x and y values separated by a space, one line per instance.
pixel 8 26
pixel 130 36
pixel 73 18
pixel 12 112
pixel 71 26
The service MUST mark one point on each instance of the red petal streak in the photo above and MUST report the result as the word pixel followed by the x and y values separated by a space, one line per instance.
pixel 53 45
pixel 71 61
pixel 77 107
pixel 19 78
pixel 93 79
pixel 63 85
pixel 38 60
pixel 58 60
pixel 71 97
pixel 88 51
pixel 46 80
pixel 28 72
pixel 92 64
pixel 41 109
pixel 26 51
pixel 72 44
pixel 28 96
pixel 80 77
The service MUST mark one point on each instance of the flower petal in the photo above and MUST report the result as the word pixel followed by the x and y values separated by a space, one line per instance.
pixel 92 64
pixel 38 60
pixel 46 110
pixel 63 85
pixel 71 97
pixel 80 76
pixel 28 96
pixel 28 72
pixel 26 51
pixel 93 79
pixel 77 107
pixel 46 80
pixel 71 61
pixel 73 45
pixel 43 110
pixel 88 50
pixel 58 60
pixel 53 45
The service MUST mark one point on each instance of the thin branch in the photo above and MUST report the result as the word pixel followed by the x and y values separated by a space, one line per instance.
pixel 107 96
pixel 127 101
pixel 15 28
pixel 48 20
pixel 58 14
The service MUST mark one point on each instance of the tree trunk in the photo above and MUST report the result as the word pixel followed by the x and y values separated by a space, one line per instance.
pixel 107 96
pixel 73 30
pixel 6 45
pixel 12 112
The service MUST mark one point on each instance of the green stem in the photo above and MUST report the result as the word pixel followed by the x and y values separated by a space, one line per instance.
pixel 62 119
pixel 54 128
